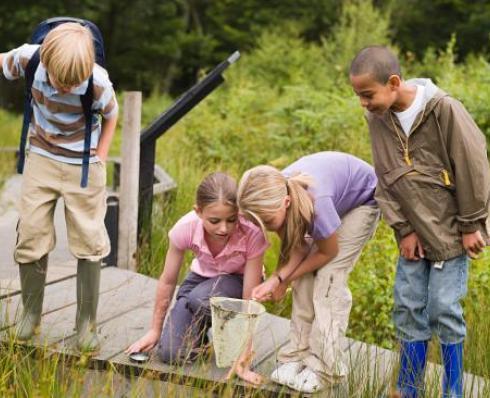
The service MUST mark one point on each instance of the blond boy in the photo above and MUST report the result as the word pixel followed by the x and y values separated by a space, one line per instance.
pixel 53 168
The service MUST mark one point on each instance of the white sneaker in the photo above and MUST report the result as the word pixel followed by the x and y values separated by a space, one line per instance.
pixel 286 372
pixel 306 381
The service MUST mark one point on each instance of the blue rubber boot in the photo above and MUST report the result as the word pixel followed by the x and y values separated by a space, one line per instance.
pixel 413 356
pixel 452 358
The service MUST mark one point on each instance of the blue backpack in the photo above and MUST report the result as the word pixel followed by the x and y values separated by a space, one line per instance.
pixel 86 99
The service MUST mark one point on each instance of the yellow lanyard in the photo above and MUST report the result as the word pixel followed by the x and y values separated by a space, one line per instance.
pixel 406 157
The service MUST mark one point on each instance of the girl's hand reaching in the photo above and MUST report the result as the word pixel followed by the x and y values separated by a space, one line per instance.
pixel 280 292
pixel 263 292
pixel 146 343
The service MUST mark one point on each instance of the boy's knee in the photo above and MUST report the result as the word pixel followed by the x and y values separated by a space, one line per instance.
pixel 437 309
pixel 29 251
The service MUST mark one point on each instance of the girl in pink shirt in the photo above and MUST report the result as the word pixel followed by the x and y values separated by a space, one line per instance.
pixel 228 262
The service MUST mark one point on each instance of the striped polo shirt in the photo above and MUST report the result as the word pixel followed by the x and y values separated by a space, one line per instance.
pixel 57 125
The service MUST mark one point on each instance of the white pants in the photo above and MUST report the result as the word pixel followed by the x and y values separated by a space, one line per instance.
pixel 322 301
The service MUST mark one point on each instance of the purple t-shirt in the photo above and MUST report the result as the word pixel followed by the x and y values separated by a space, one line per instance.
pixel 342 182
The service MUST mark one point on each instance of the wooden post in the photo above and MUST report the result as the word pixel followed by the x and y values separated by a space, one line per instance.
pixel 128 197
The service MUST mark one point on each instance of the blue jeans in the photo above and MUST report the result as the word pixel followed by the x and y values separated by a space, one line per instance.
pixel 427 300
pixel 190 317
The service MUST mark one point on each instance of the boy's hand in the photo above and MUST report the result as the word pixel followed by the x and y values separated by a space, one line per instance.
pixel 411 247
pixel 473 243
pixel 101 154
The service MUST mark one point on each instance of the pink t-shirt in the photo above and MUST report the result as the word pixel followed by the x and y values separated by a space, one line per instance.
pixel 246 242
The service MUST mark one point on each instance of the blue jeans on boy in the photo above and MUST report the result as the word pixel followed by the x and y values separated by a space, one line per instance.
pixel 427 300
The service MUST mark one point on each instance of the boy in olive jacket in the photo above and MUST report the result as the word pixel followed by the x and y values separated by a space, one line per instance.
pixel 434 191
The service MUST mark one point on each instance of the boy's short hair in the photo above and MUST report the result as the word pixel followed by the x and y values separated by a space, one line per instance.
pixel 68 54
pixel 378 61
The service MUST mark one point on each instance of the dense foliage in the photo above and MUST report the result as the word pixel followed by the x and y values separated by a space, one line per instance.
pixel 155 45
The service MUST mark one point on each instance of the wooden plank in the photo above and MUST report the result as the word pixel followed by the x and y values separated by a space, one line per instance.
pixel 62 294
pixel 271 333
pixel 131 293
pixel 165 182
pixel 118 330
pixel 474 386
pixel 56 295
pixel 125 310
pixel 10 285
pixel 370 368
pixel 129 177
pixel 202 374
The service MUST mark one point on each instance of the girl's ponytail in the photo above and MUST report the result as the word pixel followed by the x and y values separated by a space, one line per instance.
pixel 261 193
pixel 299 215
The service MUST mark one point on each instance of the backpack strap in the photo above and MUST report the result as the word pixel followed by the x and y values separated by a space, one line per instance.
pixel 87 100
pixel 29 78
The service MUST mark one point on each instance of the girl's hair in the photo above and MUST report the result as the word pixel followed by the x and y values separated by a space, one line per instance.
pixel 68 54
pixel 261 192
pixel 216 187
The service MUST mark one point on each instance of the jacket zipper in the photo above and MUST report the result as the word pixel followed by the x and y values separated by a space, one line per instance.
pixel 445 178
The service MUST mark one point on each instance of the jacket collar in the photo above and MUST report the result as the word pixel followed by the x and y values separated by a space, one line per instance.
pixel 432 96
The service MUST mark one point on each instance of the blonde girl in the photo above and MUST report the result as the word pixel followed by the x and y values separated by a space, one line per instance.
pixel 228 262
pixel 323 210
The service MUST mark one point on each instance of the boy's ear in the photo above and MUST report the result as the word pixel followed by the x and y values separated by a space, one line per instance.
pixel 394 81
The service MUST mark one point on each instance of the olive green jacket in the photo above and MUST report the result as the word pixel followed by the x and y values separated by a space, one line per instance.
pixel 442 188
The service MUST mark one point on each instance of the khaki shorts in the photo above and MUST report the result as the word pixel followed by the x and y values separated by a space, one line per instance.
pixel 45 181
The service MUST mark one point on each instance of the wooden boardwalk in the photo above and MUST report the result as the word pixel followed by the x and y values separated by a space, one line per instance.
pixel 125 310
pixel 124 314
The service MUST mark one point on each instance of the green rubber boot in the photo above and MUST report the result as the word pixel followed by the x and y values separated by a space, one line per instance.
pixel 32 280
pixel 88 281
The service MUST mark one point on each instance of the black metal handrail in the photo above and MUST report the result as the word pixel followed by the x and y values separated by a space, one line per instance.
pixel 163 123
